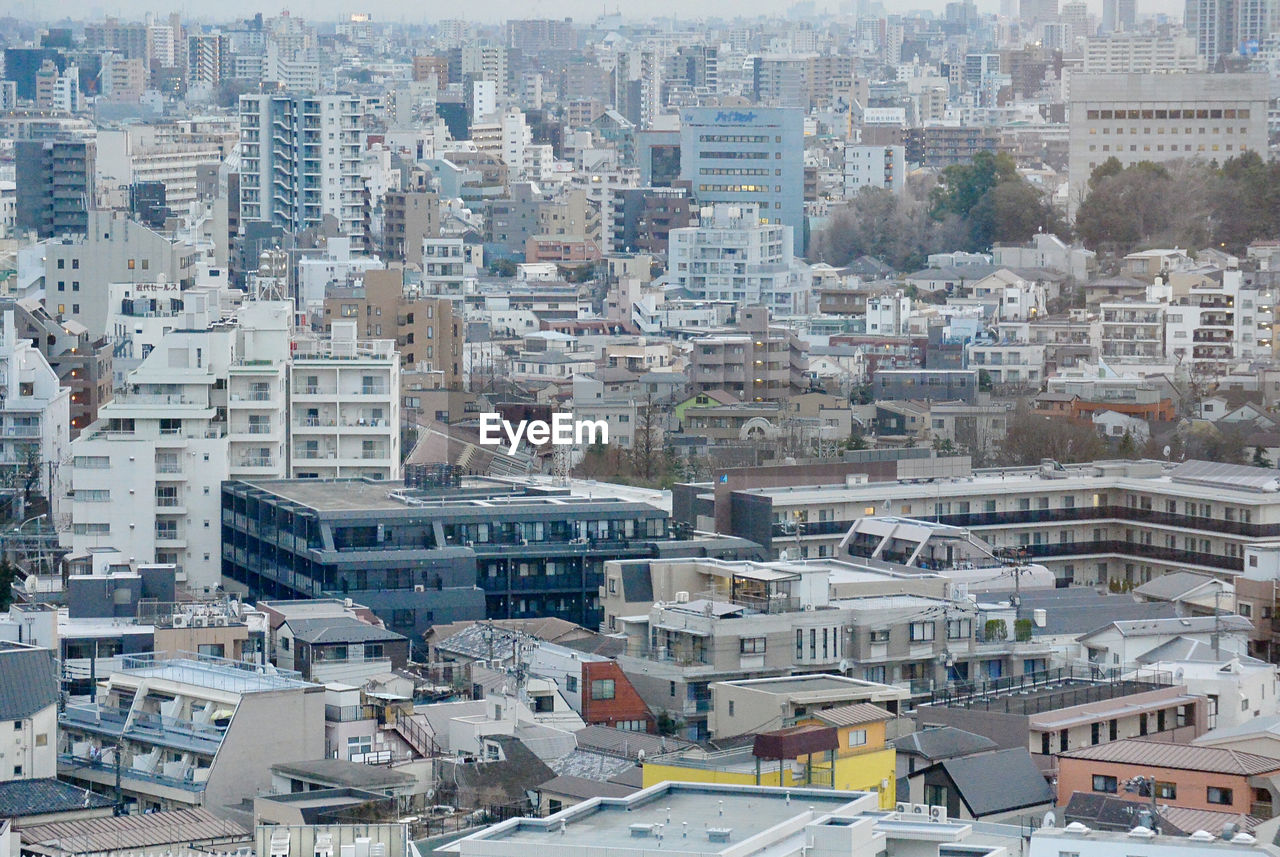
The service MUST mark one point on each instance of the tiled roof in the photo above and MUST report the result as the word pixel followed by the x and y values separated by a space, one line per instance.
pixel 20 798
pixel 853 715
pixel 28 681
pixel 1184 757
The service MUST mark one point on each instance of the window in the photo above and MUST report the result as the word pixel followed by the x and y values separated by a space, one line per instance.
pixel 881 636
pixel 1166 791
pixel 921 632
pixel 857 737
pixel 751 645
pixel 1105 784
pixel 959 629
pixel 875 674
pixel 602 688
pixel 1218 795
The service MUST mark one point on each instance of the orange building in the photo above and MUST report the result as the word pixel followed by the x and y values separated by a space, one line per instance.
pixel 609 699
pixel 1207 778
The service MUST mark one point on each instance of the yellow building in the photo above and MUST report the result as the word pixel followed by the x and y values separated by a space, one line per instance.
pixel 840 748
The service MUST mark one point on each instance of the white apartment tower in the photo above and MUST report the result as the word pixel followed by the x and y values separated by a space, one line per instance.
pixel 300 160
pixel 35 420
pixel 732 256
pixel 344 398
pixel 207 404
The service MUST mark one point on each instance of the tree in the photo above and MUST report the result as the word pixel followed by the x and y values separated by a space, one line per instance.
pixel 1127 448
pixel 1210 442
pixel 646 444
pixel 1031 438
pixel 1260 458
pixel 8 574
pixel 985 384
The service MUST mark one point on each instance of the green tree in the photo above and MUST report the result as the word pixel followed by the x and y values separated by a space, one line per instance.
pixel 1127 448
pixel 8 574
pixel 985 384
pixel 1260 458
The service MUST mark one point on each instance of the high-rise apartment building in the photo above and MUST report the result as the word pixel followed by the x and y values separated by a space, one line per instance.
pixel 541 34
pixel 754 362
pixel 300 160
pixel 55 180
pixel 1118 15
pixel 209 59
pixel 747 156
pixel 1223 27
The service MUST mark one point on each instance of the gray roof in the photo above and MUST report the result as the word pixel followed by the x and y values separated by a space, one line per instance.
pixel 1181 625
pixel 28 680
pixel 968 273
pixel 1077 608
pixel 1257 726
pixel 580 787
pixel 1188 649
pixel 130 833
pixel 19 798
pixel 1002 781
pixel 944 742
pixel 340 629
pixel 590 765
pixel 1174 585
pixel 343 773
pixel 620 742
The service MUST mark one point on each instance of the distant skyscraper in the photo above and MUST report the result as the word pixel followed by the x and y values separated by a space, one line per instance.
pixel 1223 27
pixel 1118 15
pixel 1032 12
pixel 55 186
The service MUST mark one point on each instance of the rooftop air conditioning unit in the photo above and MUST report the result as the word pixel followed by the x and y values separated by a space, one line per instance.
pixel 180 621
pixel 682 597
pixel 418 587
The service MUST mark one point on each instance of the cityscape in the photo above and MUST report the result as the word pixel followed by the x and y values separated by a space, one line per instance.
pixel 762 430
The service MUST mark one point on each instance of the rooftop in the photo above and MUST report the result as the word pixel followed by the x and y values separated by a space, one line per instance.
pixel 19 798
pixel 1185 757
pixel 1050 690
pixel 337 772
pixel 211 672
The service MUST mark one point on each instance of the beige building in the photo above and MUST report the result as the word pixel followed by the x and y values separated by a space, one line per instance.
pixel 755 362
pixel 765 704
pixel 428 335
pixel 1162 117
pixel 409 216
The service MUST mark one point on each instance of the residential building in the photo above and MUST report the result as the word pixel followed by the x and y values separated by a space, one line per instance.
pixel 766 704
pixel 1161 117
pixel 874 166
pixel 1078 837
pixel 444 567
pixel 206 404
pixel 1192 777
pixel 193 731
pixel 115 249
pixel 1051 713
pixel 35 421
pixel 1132 332
pixel 748 157
pixel 754 362
pixel 778 820
pixel 339 650
pixel 1003 786
pixel 409 218
pixel 1141 53
pixel 291 173
pixel 427 333
pixel 1127 521
pixel 941 385
pixel 29 710
pixel 344 397
pixel 791 618
pixel 151 153
pixel 55 185
pixel 1220 29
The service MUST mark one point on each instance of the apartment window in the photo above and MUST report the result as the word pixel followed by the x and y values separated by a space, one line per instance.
pixel 875 674
pixel 751 645
pixel 921 632
pixel 880 636
pixel 571 683
pixel 857 737
pixel 799 644
pixel 602 688
pixel 1105 784
pixel 959 629
pixel 1166 791
pixel 1218 795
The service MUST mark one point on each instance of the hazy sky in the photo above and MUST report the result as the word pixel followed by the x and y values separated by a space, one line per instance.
pixel 479 10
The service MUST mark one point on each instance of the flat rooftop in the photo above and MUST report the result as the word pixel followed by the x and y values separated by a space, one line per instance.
pixel 608 824
pixel 213 673
pixel 1040 692
pixel 361 495
pixel 808 684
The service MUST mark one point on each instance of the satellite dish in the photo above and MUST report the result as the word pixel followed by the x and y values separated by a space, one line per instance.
pixel 1167 450
pixel 1178 674
pixel 1050 820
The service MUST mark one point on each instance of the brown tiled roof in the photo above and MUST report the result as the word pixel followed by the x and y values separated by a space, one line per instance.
pixel 852 715
pixel 1159 754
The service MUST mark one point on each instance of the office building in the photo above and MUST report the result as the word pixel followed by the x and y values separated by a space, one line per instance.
pixel 344 398
pixel 744 157
pixel 191 731
pixel 55 185
pixel 1118 15
pixel 1162 117
pixel 534 35
pixel 292 173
